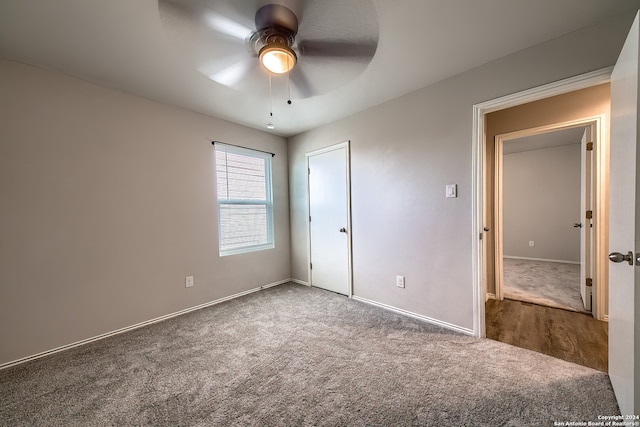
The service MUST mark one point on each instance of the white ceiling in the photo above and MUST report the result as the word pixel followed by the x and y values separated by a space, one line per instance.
pixel 122 44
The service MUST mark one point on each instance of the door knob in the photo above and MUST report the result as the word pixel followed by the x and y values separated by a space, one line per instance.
pixel 343 230
pixel 577 225
pixel 486 229
pixel 618 257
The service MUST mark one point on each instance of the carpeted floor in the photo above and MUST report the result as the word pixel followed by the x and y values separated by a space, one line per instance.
pixel 297 356
pixel 553 284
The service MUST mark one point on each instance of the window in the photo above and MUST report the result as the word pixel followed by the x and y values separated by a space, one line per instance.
pixel 245 204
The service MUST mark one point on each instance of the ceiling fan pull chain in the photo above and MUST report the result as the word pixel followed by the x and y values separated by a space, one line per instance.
pixel 270 98
pixel 289 81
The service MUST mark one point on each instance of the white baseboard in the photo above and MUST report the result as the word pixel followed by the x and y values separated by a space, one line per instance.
pixel 542 259
pixel 489 296
pixel 300 282
pixel 141 324
pixel 416 316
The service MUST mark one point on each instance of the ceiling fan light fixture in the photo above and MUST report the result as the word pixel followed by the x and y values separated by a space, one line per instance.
pixel 277 58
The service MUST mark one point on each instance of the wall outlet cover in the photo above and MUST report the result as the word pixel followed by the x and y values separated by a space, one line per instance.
pixel 188 282
pixel 400 281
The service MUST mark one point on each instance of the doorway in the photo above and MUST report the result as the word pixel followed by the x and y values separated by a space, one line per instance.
pixel 329 222
pixel 572 100
pixel 571 103
pixel 543 217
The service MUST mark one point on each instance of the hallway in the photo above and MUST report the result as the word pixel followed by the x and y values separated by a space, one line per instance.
pixel 567 335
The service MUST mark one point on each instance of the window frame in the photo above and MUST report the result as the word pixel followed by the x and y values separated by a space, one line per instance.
pixel 267 202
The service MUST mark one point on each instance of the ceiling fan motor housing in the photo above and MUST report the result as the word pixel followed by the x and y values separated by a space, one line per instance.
pixel 277 16
pixel 275 24
pixel 276 35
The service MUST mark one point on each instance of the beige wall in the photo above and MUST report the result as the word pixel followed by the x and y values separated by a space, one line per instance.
pixel 107 203
pixel 576 105
pixel 541 202
pixel 405 151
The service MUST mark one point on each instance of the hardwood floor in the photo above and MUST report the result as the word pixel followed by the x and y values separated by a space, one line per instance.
pixel 567 335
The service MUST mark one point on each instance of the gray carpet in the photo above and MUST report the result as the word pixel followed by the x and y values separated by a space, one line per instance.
pixel 553 284
pixel 297 356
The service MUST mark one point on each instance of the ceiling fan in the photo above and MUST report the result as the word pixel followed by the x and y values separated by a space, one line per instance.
pixel 248 45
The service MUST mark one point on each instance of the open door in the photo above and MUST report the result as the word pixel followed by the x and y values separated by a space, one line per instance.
pixel 586 213
pixel 624 229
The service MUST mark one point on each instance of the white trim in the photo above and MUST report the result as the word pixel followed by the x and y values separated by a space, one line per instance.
pixel 489 296
pixel 498 224
pixel 323 150
pixel 570 84
pixel 347 146
pixel 436 322
pixel 300 282
pixel 140 325
pixel 477 152
pixel 600 206
pixel 477 221
pixel 542 259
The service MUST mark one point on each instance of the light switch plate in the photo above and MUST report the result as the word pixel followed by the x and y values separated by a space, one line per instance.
pixel 451 190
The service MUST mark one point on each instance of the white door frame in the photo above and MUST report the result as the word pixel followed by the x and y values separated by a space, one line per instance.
pixel 596 123
pixel 346 146
pixel 478 173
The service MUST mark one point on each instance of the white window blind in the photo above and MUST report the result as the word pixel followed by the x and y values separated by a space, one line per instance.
pixel 245 206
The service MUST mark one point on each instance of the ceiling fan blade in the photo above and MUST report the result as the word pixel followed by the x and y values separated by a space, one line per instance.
pixel 245 76
pixel 224 25
pixel 231 75
pixel 301 83
pixel 194 16
pixel 209 40
pixel 337 49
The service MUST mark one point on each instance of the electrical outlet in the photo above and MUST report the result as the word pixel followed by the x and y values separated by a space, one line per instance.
pixel 400 281
pixel 188 282
pixel 532 243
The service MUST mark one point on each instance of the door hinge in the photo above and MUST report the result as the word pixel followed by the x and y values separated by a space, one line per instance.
pixel 480 236
pixel 310 266
pixel 309 171
pixel 309 218
pixel 589 282
pixel 589 214
pixel 589 146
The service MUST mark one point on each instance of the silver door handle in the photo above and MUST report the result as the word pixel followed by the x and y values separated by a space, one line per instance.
pixel 343 230
pixel 618 257
pixel 577 225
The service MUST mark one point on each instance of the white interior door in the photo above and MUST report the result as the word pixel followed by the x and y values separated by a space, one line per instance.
pixel 586 230
pixel 624 228
pixel 329 225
